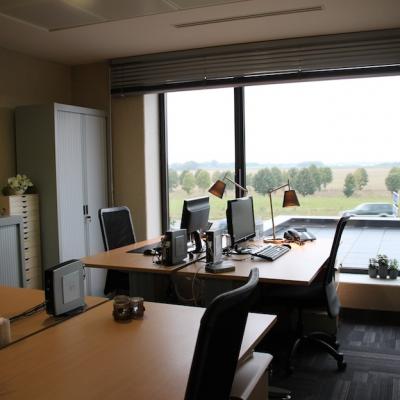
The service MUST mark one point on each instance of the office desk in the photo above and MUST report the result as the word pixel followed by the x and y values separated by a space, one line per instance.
pixel 93 357
pixel 14 301
pixel 297 267
pixel 146 278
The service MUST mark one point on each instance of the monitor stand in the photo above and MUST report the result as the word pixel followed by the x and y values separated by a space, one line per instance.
pixel 220 266
pixel 198 243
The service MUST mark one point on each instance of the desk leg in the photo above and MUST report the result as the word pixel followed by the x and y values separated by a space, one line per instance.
pixel 152 287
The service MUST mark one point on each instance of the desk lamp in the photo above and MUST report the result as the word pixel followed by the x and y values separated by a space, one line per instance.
pixel 289 200
pixel 218 188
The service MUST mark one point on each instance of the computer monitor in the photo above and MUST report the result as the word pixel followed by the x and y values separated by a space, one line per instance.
pixel 195 213
pixel 240 220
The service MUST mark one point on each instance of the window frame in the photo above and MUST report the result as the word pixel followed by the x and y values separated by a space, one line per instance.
pixel 239 119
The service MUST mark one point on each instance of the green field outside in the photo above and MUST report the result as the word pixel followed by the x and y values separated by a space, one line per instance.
pixel 330 201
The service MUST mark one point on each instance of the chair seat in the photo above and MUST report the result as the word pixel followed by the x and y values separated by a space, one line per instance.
pixel 316 296
pixel 309 296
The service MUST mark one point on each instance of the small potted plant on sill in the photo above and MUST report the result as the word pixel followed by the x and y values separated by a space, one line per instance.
pixel 393 269
pixel 373 268
pixel 383 265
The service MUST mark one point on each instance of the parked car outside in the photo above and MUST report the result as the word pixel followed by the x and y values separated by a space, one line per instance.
pixel 373 209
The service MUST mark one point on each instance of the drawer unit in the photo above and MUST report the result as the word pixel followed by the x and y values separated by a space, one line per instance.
pixel 27 206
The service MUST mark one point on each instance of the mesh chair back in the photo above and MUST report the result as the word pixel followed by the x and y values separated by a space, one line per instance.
pixel 332 299
pixel 218 343
pixel 335 247
pixel 117 231
pixel 116 227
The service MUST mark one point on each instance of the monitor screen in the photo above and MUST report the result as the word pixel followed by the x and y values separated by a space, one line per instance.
pixel 195 214
pixel 240 219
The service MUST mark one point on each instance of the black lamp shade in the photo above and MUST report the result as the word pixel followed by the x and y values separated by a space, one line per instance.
pixel 290 199
pixel 218 188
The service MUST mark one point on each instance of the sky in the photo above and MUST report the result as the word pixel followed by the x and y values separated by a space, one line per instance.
pixel 333 121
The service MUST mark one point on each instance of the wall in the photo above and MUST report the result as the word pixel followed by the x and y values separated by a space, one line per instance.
pixel 90 86
pixel 136 161
pixel 127 126
pixel 26 80
pixel 362 292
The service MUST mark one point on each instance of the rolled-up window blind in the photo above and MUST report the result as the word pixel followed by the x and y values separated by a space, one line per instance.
pixel 231 64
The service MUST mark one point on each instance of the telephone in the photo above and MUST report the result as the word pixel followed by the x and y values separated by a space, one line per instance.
pixel 298 235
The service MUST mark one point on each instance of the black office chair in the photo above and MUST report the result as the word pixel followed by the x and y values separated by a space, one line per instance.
pixel 117 231
pixel 321 294
pixel 218 343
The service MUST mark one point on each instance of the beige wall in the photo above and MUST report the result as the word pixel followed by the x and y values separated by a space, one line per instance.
pixel 90 86
pixel 369 297
pixel 26 80
pixel 136 161
pixel 127 126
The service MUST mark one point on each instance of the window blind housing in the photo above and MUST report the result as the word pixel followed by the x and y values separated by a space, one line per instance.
pixel 238 64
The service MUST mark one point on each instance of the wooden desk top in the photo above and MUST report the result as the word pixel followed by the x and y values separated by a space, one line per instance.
pixel 297 267
pixel 93 357
pixel 14 301
pixel 122 260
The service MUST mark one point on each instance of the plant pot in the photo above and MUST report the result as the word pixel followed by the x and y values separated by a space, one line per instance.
pixel 372 272
pixel 382 271
pixel 393 273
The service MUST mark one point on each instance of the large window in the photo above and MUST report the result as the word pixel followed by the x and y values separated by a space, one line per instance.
pixel 336 140
pixel 200 131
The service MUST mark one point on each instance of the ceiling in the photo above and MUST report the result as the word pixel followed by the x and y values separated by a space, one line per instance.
pixel 83 31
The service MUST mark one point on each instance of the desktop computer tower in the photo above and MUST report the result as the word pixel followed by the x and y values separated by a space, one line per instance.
pixel 174 247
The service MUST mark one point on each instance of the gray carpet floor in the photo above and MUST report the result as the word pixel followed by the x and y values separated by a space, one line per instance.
pixel 371 345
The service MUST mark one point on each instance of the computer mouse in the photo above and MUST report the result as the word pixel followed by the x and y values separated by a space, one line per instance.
pixel 149 252
pixel 287 245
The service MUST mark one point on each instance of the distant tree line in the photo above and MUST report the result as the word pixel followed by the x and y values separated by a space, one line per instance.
pixel 200 178
pixel 304 180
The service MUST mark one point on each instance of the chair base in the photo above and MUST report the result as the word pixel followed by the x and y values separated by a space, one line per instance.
pixel 322 340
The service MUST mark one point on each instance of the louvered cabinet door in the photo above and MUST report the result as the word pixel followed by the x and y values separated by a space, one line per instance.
pixel 70 185
pixel 95 167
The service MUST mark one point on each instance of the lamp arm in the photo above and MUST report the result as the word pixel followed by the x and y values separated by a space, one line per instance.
pixel 279 187
pixel 236 184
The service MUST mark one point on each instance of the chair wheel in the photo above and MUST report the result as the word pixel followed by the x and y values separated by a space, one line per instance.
pixel 342 365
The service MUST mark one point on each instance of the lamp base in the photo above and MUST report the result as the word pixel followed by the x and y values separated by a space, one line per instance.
pixel 274 241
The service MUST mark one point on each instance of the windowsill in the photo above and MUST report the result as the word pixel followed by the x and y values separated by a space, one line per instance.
pixel 361 279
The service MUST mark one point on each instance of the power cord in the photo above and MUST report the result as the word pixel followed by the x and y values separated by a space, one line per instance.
pixel 29 312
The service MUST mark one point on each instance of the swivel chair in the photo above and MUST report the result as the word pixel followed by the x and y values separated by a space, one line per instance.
pixel 117 231
pixel 321 294
pixel 218 343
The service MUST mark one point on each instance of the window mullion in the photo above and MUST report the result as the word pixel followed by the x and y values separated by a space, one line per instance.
pixel 240 145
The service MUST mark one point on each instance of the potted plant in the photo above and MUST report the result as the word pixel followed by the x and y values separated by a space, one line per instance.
pixel 373 268
pixel 383 264
pixel 17 185
pixel 393 269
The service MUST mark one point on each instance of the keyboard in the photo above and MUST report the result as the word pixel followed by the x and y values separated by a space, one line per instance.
pixel 271 252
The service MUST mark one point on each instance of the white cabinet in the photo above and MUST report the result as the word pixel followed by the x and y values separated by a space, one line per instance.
pixel 27 206
pixel 12 265
pixel 63 150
